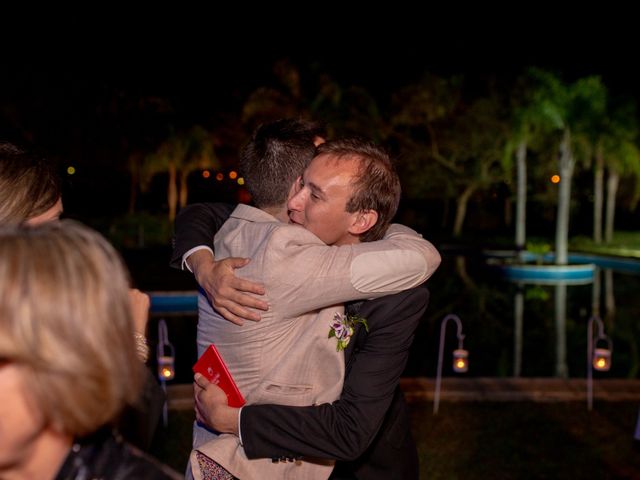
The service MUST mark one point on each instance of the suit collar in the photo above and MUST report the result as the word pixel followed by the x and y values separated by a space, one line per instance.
pixel 357 340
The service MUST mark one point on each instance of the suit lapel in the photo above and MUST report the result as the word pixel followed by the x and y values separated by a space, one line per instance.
pixel 358 337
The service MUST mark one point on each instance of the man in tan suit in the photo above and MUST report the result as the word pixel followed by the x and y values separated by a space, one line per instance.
pixel 287 358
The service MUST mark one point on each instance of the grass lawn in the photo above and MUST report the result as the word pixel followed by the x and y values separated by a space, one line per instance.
pixel 484 440
pixel 527 440
pixel 626 244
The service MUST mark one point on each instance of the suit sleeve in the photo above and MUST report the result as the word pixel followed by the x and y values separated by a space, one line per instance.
pixel 196 225
pixel 302 274
pixel 344 429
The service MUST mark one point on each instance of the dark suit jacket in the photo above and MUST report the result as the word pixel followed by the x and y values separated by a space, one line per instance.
pixel 196 225
pixel 367 429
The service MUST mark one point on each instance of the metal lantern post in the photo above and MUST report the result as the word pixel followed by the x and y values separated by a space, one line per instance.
pixel 598 358
pixel 165 356
pixel 460 357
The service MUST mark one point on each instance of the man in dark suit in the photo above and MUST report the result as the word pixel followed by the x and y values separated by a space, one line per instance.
pixel 367 429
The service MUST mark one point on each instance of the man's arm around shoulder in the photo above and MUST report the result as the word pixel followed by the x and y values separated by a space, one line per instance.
pixel 195 226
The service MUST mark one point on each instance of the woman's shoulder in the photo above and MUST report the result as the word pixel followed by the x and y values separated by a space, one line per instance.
pixel 106 455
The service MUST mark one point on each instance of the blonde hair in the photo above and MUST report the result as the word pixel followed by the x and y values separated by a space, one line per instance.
pixel 29 185
pixel 65 320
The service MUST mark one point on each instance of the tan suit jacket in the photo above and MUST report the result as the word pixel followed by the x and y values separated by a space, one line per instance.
pixel 287 357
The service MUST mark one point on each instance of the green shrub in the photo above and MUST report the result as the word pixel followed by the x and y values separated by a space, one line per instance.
pixel 539 250
pixel 140 230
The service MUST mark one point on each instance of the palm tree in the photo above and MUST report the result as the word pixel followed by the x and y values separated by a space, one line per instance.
pixel 618 153
pixel 587 100
pixel 570 109
pixel 624 159
pixel 179 155
pixel 530 119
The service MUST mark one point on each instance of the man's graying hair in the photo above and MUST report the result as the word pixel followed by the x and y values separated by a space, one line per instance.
pixel 276 155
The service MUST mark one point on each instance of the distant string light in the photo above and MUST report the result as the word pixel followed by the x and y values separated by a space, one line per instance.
pixel 71 170
pixel 555 178
pixel 233 175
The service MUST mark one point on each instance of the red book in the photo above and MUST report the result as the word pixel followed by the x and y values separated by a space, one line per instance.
pixel 210 364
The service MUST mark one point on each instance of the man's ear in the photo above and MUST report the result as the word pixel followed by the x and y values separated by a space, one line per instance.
pixel 364 221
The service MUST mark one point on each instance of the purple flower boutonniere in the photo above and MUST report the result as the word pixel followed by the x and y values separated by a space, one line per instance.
pixel 343 326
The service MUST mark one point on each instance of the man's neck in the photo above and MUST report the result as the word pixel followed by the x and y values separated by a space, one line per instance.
pixel 281 212
pixel 348 239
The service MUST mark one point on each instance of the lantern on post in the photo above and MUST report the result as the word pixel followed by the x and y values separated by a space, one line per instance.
pixel 460 357
pixel 598 358
pixel 165 354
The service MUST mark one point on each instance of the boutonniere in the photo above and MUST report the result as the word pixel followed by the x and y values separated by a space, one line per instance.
pixel 343 326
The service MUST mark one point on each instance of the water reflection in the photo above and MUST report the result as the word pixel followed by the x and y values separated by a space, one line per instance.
pixel 518 314
pixel 560 302
pixel 530 330
pixel 562 369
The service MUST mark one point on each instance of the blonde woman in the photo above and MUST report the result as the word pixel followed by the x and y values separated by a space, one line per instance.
pixel 68 361
pixel 30 194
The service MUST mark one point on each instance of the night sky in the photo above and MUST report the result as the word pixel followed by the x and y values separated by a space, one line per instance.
pixel 64 70
pixel 219 51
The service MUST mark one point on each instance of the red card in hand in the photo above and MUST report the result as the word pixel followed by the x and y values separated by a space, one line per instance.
pixel 210 364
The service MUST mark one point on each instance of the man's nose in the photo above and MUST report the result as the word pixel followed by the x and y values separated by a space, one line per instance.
pixel 297 201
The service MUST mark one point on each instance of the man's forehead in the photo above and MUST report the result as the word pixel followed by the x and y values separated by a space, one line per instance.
pixel 330 171
pixel 335 161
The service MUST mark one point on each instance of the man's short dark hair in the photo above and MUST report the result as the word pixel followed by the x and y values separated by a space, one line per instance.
pixel 376 185
pixel 276 155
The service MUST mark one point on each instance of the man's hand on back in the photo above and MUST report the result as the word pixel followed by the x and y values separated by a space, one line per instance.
pixel 228 294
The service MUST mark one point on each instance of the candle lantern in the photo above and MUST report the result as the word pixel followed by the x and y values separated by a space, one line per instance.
pixel 602 359
pixel 460 357
pixel 597 358
pixel 460 360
